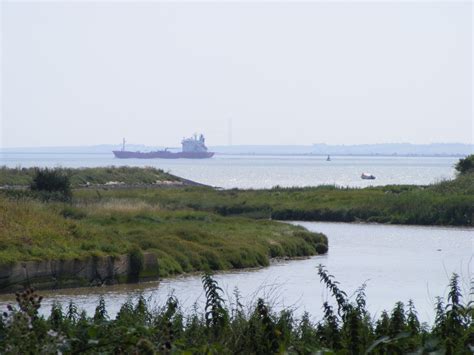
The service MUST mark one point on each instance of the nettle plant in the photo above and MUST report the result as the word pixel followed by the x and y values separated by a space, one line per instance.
pixel 345 328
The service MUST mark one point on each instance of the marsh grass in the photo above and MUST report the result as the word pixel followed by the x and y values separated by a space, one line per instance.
pixel 443 203
pixel 94 176
pixel 119 205
pixel 183 241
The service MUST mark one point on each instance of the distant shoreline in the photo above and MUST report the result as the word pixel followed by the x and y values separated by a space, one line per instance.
pixel 316 149
pixel 350 155
pixel 249 154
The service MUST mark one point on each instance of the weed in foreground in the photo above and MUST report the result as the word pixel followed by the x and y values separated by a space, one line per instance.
pixel 345 329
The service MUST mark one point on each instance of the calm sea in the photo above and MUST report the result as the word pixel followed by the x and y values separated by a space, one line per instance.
pixel 265 171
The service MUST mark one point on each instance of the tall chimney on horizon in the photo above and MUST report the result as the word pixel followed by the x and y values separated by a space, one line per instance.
pixel 229 132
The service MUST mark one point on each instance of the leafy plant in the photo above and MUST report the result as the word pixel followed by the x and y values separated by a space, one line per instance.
pixel 138 329
pixel 465 165
pixel 215 313
pixel 52 184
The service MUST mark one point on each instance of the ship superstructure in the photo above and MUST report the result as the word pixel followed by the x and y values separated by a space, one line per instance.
pixel 194 144
pixel 192 148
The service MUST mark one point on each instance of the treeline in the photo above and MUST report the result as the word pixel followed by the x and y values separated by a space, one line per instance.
pixel 346 328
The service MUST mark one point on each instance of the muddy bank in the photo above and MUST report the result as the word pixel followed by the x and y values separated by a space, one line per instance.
pixel 92 271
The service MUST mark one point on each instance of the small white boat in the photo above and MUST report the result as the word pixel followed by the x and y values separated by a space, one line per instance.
pixel 367 176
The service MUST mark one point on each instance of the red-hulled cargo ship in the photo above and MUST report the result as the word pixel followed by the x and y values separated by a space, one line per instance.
pixel 193 148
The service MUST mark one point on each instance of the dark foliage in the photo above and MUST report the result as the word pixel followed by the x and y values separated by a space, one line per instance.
pixel 137 330
pixel 465 165
pixel 52 184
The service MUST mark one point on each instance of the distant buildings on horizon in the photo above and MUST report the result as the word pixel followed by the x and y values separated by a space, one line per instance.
pixel 384 149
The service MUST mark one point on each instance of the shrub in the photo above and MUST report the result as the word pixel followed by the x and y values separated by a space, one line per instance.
pixel 321 248
pixel 465 165
pixel 52 184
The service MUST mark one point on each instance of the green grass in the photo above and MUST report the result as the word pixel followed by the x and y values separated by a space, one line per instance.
pixel 444 203
pixel 184 241
pixel 198 228
pixel 93 176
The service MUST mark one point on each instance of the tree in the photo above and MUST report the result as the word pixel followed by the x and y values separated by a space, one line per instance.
pixel 465 165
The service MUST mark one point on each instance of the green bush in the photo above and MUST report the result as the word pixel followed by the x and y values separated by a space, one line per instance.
pixel 465 165
pixel 321 248
pixel 52 184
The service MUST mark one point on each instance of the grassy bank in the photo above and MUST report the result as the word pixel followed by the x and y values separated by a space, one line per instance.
pixel 90 176
pixel 198 228
pixel 444 203
pixel 223 328
pixel 183 241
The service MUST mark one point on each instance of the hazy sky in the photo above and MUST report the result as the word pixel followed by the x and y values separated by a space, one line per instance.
pixel 285 73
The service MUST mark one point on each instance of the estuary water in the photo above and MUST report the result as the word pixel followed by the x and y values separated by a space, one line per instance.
pixel 397 263
pixel 249 171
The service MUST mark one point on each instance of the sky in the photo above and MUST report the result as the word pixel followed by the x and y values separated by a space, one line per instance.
pixel 87 73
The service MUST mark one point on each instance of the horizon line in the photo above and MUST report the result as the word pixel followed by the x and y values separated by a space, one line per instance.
pixel 240 145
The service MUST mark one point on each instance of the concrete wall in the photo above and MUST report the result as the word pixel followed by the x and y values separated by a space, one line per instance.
pixel 72 273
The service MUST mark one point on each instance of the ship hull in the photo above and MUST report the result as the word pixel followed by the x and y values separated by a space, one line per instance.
pixel 123 154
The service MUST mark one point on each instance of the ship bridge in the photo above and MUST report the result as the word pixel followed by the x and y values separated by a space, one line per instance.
pixel 194 144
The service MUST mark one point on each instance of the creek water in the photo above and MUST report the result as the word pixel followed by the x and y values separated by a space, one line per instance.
pixel 397 263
